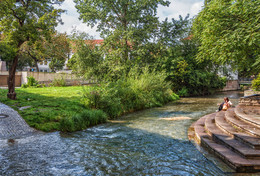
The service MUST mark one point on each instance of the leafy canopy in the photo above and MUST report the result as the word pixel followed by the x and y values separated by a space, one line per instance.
pixel 228 31
pixel 24 21
pixel 126 26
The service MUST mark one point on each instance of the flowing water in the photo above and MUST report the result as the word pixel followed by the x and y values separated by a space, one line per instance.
pixel 150 142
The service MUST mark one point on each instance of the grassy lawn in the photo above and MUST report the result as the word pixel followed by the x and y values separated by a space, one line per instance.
pixel 78 107
pixel 47 106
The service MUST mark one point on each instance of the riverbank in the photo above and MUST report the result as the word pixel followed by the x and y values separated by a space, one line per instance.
pixel 68 108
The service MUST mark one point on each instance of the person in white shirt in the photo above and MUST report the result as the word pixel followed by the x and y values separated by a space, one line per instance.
pixel 225 105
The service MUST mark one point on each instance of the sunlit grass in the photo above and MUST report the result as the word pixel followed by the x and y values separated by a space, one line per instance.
pixel 46 106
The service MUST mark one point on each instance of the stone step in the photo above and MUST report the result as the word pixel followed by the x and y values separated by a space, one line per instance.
pixel 250 140
pixel 231 118
pixel 249 114
pixel 231 158
pixel 199 129
pixel 235 161
pixel 228 141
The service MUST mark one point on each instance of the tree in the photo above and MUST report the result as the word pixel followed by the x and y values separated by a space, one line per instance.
pixel 22 21
pixel 54 48
pixel 187 75
pixel 35 51
pixel 172 32
pixel 87 60
pixel 228 32
pixel 125 25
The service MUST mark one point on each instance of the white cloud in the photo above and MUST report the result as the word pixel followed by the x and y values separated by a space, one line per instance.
pixel 180 7
pixel 176 8
pixel 71 21
pixel 196 8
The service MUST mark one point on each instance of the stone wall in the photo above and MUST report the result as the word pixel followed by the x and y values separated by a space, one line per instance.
pixel 4 79
pixel 251 100
pixel 231 85
pixel 250 92
pixel 42 77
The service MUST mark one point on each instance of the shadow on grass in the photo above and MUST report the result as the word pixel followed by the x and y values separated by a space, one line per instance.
pixel 42 109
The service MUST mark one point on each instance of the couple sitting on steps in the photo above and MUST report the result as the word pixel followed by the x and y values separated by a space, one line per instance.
pixel 225 105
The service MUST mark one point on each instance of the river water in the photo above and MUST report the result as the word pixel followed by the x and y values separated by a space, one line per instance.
pixel 149 142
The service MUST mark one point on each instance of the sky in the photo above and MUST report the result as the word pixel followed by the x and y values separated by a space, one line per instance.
pixel 176 8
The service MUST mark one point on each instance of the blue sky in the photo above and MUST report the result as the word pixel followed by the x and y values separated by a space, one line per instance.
pixel 176 8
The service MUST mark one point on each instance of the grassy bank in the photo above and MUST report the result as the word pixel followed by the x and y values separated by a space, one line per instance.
pixel 76 108
pixel 47 107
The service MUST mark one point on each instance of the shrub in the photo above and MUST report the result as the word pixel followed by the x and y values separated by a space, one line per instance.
pixel 82 120
pixel 135 92
pixel 256 83
pixel 58 82
pixel 183 92
pixel 32 83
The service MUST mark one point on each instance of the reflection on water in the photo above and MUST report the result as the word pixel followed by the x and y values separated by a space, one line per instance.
pixel 141 143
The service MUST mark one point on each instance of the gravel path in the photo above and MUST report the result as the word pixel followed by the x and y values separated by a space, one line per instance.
pixel 12 125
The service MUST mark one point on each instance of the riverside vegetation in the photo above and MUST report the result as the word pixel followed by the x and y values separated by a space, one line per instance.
pixel 135 61
pixel 78 107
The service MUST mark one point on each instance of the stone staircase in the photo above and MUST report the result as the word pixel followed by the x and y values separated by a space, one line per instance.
pixel 232 135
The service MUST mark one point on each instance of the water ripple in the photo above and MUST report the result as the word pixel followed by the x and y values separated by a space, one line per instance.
pixel 144 145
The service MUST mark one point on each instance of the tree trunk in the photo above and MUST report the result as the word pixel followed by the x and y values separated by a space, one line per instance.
pixel 36 64
pixel 11 79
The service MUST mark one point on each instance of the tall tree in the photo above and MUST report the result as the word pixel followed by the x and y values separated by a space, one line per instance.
pixel 25 20
pixel 126 26
pixel 228 32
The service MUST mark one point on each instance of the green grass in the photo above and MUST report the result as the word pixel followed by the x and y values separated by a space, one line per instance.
pixel 76 108
pixel 48 105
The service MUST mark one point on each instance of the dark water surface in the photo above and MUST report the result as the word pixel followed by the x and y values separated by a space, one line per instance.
pixel 141 143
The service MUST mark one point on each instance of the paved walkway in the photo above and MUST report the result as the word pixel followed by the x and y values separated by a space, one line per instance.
pixel 12 125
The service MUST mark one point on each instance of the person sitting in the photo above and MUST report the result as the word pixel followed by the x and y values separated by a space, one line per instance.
pixel 225 105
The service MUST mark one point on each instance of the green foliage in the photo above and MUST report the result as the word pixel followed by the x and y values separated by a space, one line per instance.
pixel 127 28
pixel 32 83
pixel 25 21
pixel 58 82
pixel 183 92
pixel 256 83
pixel 228 32
pixel 88 59
pixel 171 33
pixel 80 121
pixel 135 92
pixel 188 76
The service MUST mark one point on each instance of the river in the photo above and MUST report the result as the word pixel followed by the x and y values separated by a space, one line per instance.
pixel 149 142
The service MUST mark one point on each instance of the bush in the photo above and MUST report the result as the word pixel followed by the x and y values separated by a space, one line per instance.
pixel 135 92
pixel 80 121
pixel 32 83
pixel 58 82
pixel 256 83
pixel 183 92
